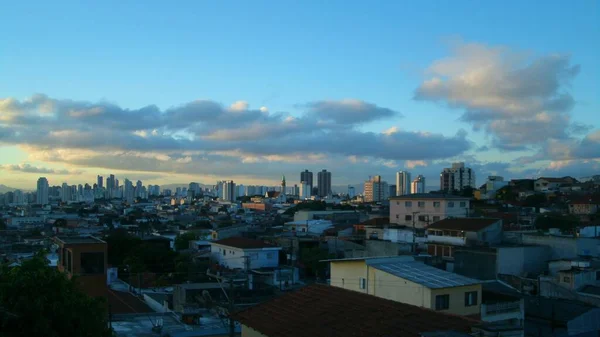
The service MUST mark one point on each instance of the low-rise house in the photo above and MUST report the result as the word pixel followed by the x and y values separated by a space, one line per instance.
pixel 402 279
pixel 548 184
pixel 423 209
pixel 445 236
pixel 560 318
pixel 324 311
pixel 503 307
pixel 244 253
pixel 585 207
pixel 308 227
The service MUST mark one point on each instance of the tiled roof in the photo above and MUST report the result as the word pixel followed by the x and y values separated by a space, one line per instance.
pixel 428 196
pixel 243 243
pixel 464 224
pixel 384 220
pixel 325 311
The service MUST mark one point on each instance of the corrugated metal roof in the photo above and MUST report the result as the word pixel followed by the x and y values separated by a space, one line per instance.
pixel 423 274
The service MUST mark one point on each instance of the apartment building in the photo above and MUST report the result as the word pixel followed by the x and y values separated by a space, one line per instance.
pixel 426 208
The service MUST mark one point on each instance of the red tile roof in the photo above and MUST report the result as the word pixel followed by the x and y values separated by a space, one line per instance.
pixel 125 303
pixel 325 311
pixel 464 224
pixel 243 243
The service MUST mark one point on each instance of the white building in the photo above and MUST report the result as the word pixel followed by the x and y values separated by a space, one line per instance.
pixel 305 190
pixel 229 192
pixel 402 183
pixel 418 185
pixel 457 177
pixel 376 190
pixel 426 208
pixel 351 192
pixel 312 227
pixel 244 253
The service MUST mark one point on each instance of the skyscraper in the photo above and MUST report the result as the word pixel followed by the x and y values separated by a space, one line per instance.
pixel 42 191
pixel 418 185
pixel 351 192
pixel 324 183
pixel 229 191
pixel 305 190
pixel 128 191
pixel 65 193
pixel 100 181
pixel 307 177
pixel 457 177
pixel 376 190
pixel 402 183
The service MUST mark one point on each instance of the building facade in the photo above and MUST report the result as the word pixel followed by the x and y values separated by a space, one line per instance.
pixel 402 183
pixel 307 177
pixel 324 183
pixel 376 190
pixel 418 185
pixel 457 178
pixel 42 191
pixel 426 208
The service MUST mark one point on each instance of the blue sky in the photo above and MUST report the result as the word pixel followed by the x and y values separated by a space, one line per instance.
pixel 283 56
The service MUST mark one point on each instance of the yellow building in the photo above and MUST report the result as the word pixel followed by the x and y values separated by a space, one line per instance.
pixel 402 279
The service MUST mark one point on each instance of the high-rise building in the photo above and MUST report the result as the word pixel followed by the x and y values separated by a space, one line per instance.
pixel 376 190
pixel 229 191
pixel 128 191
pixel 402 183
pixel 100 181
pixel 418 185
pixel 138 189
pixel 456 178
pixel 195 188
pixel 392 190
pixel 65 195
pixel 305 190
pixel 296 190
pixel 307 177
pixel 324 183
pixel 42 191
pixel 351 192
pixel 283 191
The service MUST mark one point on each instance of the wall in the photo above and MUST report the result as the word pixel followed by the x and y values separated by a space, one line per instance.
pixel 391 287
pixel 398 210
pixel 347 274
pixel 249 332
pixel 386 248
pixel 234 257
pixel 457 299
pixel 477 264
pixel 519 260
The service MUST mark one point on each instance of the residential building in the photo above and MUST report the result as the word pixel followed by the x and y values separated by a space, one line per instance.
pixel 418 185
pixel 337 217
pixel 445 235
pixel 456 178
pixel 426 208
pixel 504 308
pixel 129 193
pixel 305 190
pixel 585 206
pixel 228 191
pixel 42 191
pixel 548 184
pixel 560 318
pixel 84 257
pixel 493 184
pixel 351 192
pixel 100 181
pixel 65 193
pixel 324 183
pixel 392 192
pixel 402 279
pixel 402 183
pixel 307 177
pixel 244 253
pixel 324 311
pixel 376 190
pixel 308 227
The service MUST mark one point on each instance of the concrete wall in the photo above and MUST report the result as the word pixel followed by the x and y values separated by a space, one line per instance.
pixel 234 257
pixel 249 332
pixel 457 299
pixel 347 274
pixel 391 287
pixel 386 248
pixel 565 247
pixel 399 209
pixel 520 260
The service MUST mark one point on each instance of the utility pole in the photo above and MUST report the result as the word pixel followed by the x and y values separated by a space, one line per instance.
pixel 414 245
pixel 231 309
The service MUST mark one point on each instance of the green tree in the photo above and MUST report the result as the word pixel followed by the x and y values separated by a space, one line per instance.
pixel 554 220
pixel 36 300
pixel 182 241
pixel 311 259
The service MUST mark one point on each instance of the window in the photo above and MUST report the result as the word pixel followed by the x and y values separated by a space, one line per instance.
pixel 436 218
pixel 421 204
pixel 408 204
pixel 442 302
pixel 69 258
pixel 363 283
pixel 92 263
pixel 422 217
pixel 463 204
pixel 436 204
pixel 224 252
pixel 450 204
pixel 408 217
pixel 470 298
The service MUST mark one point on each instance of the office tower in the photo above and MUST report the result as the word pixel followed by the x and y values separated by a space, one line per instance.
pixel 351 192
pixel 307 177
pixel 305 190
pixel 128 192
pixel 402 183
pixel 79 189
pixel 418 185
pixel 296 190
pixel 195 188
pixel 456 178
pixel 376 190
pixel 229 191
pixel 65 195
pixel 138 189
pixel 42 191
pixel 100 182
pixel 324 183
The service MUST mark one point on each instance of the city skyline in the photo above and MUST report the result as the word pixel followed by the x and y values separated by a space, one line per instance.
pixel 288 87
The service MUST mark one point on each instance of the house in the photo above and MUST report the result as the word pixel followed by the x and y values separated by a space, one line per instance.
pixel 308 227
pixel 84 257
pixel 585 206
pixel 546 184
pixel 244 253
pixel 423 209
pixel 402 279
pixel 324 311
pixel 443 237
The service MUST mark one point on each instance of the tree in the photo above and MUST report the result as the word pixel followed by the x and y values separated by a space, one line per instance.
pixel 36 300
pixel 311 259
pixel 182 241
pixel 555 220
pixel 2 224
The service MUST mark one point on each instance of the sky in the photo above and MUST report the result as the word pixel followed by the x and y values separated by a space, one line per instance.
pixel 253 90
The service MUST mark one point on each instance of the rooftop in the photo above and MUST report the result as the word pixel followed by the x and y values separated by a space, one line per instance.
pixel 78 240
pixel 428 196
pixel 464 224
pixel 244 243
pixel 324 311
pixel 126 303
pixel 422 274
